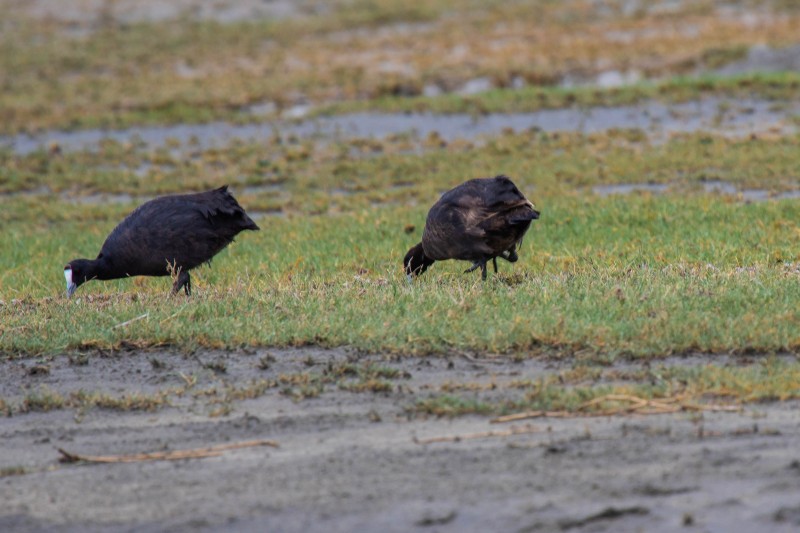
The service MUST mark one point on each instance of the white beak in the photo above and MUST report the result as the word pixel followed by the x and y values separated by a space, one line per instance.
pixel 70 285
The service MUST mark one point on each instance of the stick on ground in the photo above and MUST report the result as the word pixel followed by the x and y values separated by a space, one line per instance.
pixel 123 324
pixel 482 435
pixel 195 453
pixel 634 405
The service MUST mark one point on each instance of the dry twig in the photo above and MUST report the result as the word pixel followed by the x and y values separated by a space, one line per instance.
pixel 195 453
pixel 481 435
pixel 123 324
pixel 531 414
pixel 636 405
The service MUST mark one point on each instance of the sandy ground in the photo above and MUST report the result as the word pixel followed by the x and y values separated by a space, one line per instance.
pixel 353 462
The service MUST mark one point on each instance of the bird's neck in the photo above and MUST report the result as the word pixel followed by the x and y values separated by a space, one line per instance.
pixel 98 269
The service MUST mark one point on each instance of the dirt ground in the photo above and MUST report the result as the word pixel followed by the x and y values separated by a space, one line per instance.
pixel 354 462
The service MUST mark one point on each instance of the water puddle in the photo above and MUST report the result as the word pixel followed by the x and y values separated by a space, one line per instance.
pixel 659 121
pixel 604 80
pixel 629 188
pixel 476 86
pixel 75 198
pixel 720 187
pixel 749 195
pixel 762 58
pixel 94 14
pixel 105 198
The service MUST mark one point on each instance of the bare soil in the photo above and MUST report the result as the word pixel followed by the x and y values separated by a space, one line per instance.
pixel 353 462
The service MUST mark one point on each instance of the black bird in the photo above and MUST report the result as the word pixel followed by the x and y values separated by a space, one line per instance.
pixel 169 234
pixel 479 220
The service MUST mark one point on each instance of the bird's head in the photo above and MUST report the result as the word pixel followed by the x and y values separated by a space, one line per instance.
pixel 416 262
pixel 77 272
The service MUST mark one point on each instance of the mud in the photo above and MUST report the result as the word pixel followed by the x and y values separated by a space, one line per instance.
pixel 353 462
pixel 736 118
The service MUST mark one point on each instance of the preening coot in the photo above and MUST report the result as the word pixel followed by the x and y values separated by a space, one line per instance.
pixel 169 234
pixel 479 220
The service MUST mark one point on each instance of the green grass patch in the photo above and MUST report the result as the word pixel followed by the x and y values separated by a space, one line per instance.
pixel 295 177
pixel 633 275
pixel 621 275
pixel 45 399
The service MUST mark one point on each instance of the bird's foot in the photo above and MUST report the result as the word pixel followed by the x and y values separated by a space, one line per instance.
pixel 475 266
pixel 184 282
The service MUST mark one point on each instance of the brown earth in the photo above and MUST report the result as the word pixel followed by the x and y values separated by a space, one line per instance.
pixel 353 462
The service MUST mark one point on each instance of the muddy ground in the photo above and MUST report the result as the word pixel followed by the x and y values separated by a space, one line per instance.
pixel 353 461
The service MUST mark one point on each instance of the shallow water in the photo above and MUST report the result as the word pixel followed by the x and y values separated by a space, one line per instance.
pixel 136 11
pixel 764 59
pixel 628 188
pixel 657 120
pixel 104 199
pixel 720 187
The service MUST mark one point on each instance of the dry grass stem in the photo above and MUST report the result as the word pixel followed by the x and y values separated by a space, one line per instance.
pixel 636 405
pixel 123 324
pixel 531 414
pixel 480 435
pixel 196 453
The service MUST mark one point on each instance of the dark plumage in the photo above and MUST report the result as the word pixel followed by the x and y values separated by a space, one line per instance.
pixel 479 220
pixel 168 234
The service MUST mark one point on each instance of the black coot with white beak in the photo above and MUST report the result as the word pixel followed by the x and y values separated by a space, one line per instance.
pixel 170 234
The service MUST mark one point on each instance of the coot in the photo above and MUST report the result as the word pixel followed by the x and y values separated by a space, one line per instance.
pixel 170 234
pixel 479 220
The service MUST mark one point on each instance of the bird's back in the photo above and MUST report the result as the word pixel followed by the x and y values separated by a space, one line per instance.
pixel 185 230
pixel 479 218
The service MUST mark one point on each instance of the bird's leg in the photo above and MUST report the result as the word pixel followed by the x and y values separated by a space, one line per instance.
pixel 494 263
pixel 183 282
pixel 474 266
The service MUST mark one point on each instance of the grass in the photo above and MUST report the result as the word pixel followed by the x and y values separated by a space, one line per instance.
pixel 299 177
pixel 770 380
pixel 46 399
pixel 776 86
pixel 634 275
pixel 370 53
pixel 621 275
pixel 219 398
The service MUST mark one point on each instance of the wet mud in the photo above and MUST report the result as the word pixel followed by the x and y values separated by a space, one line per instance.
pixel 355 461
